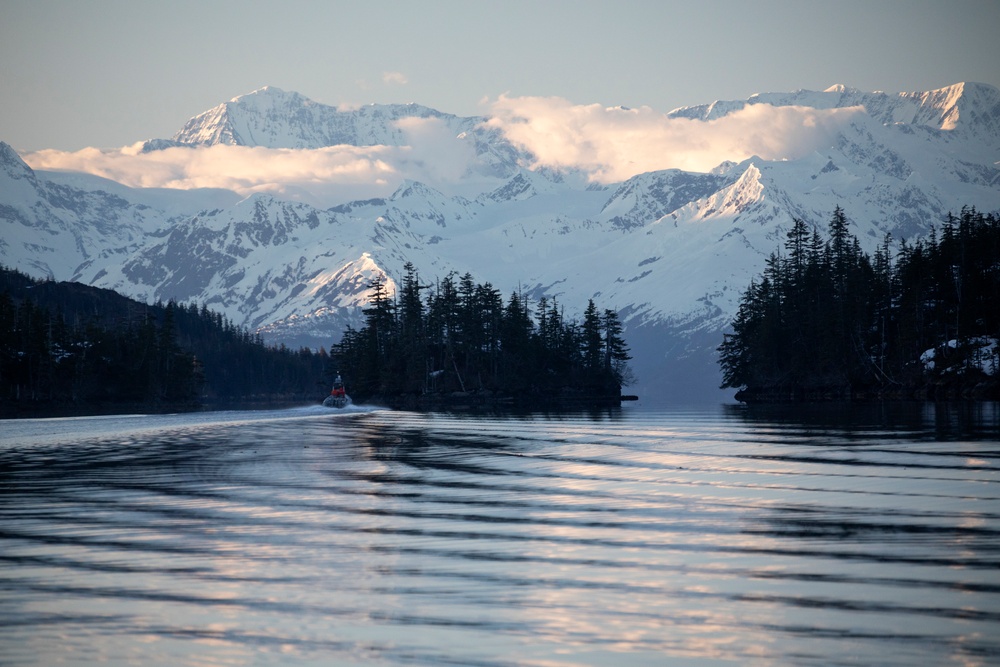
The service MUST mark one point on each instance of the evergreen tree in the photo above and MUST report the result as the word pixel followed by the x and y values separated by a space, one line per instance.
pixel 592 343
pixel 616 352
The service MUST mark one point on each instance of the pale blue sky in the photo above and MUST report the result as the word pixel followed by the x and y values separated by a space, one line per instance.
pixel 108 73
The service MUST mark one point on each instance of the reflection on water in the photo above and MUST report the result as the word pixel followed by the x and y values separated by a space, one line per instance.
pixel 815 536
pixel 939 421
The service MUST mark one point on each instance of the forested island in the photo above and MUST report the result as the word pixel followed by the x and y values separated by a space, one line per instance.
pixel 463 345
pixel 68 348
pixel 826 320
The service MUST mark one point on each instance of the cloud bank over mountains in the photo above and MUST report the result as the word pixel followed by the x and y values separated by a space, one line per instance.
pixel 608 145
pixel 322 173
pixel 614 144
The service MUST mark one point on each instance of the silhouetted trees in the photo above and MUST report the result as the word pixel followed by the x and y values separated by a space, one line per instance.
pixel 75 346
pixel 828 320
pixel 456 335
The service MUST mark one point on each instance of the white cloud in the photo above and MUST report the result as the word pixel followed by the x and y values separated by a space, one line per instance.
pixel 322 177
pixel 613 144
pixel 397 78
pixel 335 171
pixel 436 154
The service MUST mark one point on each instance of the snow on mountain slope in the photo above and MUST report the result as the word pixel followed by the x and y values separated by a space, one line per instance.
pixel 647 197
pixel 969 107
pixel 273 118
pixel 671 250
pixel 51 229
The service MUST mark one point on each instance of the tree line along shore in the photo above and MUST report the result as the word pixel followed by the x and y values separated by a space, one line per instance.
pixel 69 348
pixel 825 320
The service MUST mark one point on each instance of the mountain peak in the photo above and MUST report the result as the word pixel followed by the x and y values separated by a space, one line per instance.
pixel 8 154
pixel 269 93
pixel 410 188
pixel 12 164
pixel 269 90
pixel 969 106
pixel 973 109
pixel 270 117
pixel 841 88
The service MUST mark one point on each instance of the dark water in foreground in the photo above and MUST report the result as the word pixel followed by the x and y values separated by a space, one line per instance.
pixel 724 536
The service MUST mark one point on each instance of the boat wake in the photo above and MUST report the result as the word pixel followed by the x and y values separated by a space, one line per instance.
pixel 60 430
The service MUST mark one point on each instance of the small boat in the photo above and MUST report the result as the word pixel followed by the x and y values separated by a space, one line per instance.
pixel 338 397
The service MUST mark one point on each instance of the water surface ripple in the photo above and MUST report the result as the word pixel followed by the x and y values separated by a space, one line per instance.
pixel 636 537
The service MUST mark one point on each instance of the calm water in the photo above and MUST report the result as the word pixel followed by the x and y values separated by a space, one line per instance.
pixel 722 536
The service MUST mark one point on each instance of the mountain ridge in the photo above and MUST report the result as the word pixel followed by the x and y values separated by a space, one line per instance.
pixel 253 119
pixel 939 108
pixel 671 250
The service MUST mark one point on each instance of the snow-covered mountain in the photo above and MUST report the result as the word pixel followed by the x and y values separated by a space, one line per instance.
pixel 970 109
pixel 671 250
pixel 273 118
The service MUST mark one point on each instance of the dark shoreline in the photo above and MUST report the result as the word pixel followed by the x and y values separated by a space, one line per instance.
pixel 458 401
